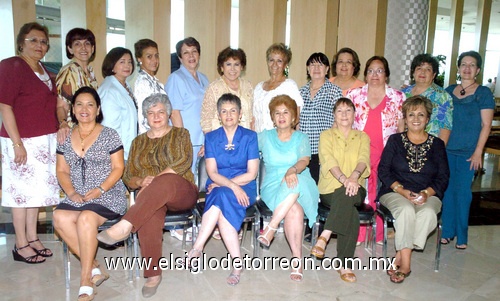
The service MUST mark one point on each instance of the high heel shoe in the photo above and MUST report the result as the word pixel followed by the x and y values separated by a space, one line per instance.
pixel 319 252
pixel 28 259
pixel 263 237
pixel 104 237
pixel 45 252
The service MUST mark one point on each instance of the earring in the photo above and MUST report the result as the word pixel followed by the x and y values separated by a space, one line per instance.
pixel 220 121
pixel 140 63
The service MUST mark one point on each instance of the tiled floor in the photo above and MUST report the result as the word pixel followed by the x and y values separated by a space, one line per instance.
pixel 473 274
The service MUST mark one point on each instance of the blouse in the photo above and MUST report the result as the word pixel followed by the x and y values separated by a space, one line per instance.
pixel 145 85
pixel 357 84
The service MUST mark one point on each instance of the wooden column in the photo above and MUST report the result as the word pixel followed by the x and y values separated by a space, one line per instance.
pixel 13 15
pixel 482 27
pixel 73 14
pixel 208 21
pixel 431 26
pixel 262 23
pixel 155 27
pixel 96 21
pixel 312 29
pixel 457 10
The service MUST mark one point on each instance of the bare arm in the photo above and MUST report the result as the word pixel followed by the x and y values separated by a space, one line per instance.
pixel 291 174
pixel 176 119
pixel 9 122
pixel 444 135
pixel 62 109
pixel 62 173
pixel 486 119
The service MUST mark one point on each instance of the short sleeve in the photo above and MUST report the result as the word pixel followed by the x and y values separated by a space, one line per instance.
pixel 304 146
pixel 209 145
pixel 486 98
pixel 113 141
pixel 261 139
pixel 253 146
pixel 174 87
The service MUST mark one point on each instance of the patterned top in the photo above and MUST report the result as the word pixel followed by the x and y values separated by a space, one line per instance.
pixel 72 77
pixel 317 114
pixel 145 85
pixel 390 114
pixel 442 108
pixel 149 157
pixel 94 168
pixel 346 153
pixel 210 117
pixel 262 98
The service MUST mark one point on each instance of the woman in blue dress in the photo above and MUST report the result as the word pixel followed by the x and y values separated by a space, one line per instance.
pixel 232 160
pixel 288 188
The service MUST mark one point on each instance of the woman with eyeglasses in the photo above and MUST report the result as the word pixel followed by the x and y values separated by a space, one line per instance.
pixel 28 139
pixel 379 114
pixel 473 107
pixel 345 70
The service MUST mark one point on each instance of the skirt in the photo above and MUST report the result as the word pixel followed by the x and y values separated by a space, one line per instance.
pixel 33 184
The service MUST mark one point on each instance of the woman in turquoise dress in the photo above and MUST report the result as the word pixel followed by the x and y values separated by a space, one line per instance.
pixel 288 188
pixel 232 160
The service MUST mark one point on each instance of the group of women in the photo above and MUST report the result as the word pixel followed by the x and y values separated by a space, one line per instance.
pixel 315 144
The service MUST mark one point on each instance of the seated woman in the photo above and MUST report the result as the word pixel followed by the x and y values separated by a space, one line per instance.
pixel 342 151
pixel 89 169
pixel 414 173
pixel 288 188
pixel 159 165
pixel 232 160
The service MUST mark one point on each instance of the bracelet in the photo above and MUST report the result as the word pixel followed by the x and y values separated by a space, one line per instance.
pixel 359 173
pixel 101 189
pixel 395 189
pixel 425 191
pixel 296 171
pixel 341 177
pixel 17 144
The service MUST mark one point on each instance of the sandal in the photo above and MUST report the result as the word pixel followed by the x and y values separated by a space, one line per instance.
pixel 216 234
pixel 28 259
pixel 399 277
pixel 445 241
pixel 295 272
pixel 347 277
pixel 98 276
pixel 190 255
pixel 263 237
pixel 45 252
pixel 174 233
pixel 461 247
pixel 391 272
pixel 233 279
pixel 319 252
pixel 86 293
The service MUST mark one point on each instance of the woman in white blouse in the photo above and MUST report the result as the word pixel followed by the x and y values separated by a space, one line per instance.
pixel 278 58
pixel 146 83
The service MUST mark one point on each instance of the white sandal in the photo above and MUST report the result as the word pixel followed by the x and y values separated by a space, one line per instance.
pixel 98 277
pixel 263 237
pixel 86 293
pixel 189 235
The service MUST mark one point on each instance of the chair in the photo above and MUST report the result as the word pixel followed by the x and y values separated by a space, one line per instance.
pixel 128 243
pixel 386 216
pixel 252 213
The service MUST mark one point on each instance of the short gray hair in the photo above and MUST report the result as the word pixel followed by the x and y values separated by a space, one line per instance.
pixel 154 99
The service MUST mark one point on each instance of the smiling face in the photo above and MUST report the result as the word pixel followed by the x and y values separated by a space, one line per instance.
pixel 190 57
pixel 82 51
pixel 276 64
pixel 157 116
pixel 344 115
pixel 317 70
pixel 35 45
pixel 345 65
pixel 231 69
pixel 282 117
pixel 150 60
pixel 375 74
pixel 416 118
pixel 424 74
pixel 468 68
pixel 85 108
pixel 229 114
pixel 123 67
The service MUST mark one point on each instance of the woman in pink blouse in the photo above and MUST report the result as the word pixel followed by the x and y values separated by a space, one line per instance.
pixel 378 113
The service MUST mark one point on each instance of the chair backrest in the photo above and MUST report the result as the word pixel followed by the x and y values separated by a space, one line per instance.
pixel 261 175
pixel 202 175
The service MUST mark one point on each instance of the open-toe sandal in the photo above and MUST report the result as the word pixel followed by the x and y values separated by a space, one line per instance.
pixel 461 247
pixel 86 293
pixel 33 259
pixel 98 276
pixel 347 277
pixel 45 252
pixel 216 234
pixel 445 241
pixel 263 237
pixel 399 277
pixel 295 275
pixel 391 272
pixel 317 251
pixel 233 279
pixel 193 253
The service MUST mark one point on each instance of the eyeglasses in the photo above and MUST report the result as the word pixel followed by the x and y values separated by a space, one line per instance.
pixel 37 41
pixel 375 71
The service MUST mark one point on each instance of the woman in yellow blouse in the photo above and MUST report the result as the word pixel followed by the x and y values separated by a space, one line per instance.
pixel 344 154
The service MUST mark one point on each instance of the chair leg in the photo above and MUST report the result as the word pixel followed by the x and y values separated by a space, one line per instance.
pixel 67 264
pixel 373 240
pixel 136 253
pixel 255 234
pixel 385 238
pixel 315 233
pixel 128 252
pixel 244 229
pixel 438 249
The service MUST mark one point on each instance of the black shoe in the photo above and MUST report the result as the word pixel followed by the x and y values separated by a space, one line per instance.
pixel 30 259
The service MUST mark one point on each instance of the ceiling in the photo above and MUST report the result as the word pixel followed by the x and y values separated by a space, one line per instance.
pixel 469 16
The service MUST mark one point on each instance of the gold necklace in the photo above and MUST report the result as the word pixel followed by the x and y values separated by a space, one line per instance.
pixel 82 139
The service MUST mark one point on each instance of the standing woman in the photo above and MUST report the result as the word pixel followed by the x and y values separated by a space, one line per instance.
pixel 118 103
pixel 278 57
pixel 146 83
pixel 378 113
pixel 28 137
pixel 472 117
pixel 319 97
pixel 80 49
pixel 424 69
pixel 345 70
pixel 186 89
pixel 230 64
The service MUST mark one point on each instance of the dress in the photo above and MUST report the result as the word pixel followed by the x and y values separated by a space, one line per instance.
pixel 442 108
pixel 262 98
pixel 72 77
pixel 90 171
pixel 33 100
pixel 231 163
pixel 278 157
pixel 209 115
pixel 119 110
pixel 145 85
pixel 461 145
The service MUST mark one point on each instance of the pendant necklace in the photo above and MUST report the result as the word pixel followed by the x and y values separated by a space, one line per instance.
pixel 82 139
pixel 462 92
